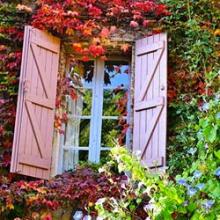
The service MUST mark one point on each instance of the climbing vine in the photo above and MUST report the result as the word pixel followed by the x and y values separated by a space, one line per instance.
pixel 87 26
pixel 194 36
pixel 12 20
pixel 84 26
pixel 193 30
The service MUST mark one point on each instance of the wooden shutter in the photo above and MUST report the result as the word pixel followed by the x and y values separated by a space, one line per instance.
pixel 32 146
pixel 150 100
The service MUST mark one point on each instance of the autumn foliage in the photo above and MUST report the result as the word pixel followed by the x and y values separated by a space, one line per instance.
pixel 77 190
pixel 85 27
pixel 89 24
pixel 12 23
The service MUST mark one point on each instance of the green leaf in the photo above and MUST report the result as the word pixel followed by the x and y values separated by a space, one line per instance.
pixel 191 207
pixel 211 133
pixel 197 216
pixel 217 154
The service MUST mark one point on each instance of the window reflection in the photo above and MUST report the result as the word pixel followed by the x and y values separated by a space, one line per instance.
pixel 115 101
pixel 110 132
pixel 79 108
pixel 115 91
pixel 116 74
pixel 82 74
pixel 112 100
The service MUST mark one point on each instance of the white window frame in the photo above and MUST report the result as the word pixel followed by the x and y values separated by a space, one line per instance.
pixel 94 149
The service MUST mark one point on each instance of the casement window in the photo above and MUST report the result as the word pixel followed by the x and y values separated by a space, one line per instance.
pixel 93 116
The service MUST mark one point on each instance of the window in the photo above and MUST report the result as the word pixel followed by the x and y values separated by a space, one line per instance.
pixel 93 115
pixel 99 114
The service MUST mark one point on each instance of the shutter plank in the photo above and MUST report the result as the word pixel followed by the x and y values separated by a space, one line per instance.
pixel 145 105
pixel 156 93
pixel 143 116
pixel 137 86
pixel 163 91
pixel 38 61
pixel 150 75
pixel 34 162
pixel 47 103
pixel 39 92
pixel 150 48
pixel 47 134
pixel 148 87
pixel 31 79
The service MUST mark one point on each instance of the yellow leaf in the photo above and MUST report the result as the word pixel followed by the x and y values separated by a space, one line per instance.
pixel 24 8
pixel 41 190
pixel 125 47
pixel 217 53
pixel 31 199
pixel 96 40
pixel 90 204
pixel 10 206
pixel 35 215
pixel 217 32
pixel 69 31
pixel 87 32
pixel 46 216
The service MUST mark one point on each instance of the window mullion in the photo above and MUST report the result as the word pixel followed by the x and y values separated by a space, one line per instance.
pixel 96 120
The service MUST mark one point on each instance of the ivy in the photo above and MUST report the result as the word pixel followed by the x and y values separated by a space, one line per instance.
pixel 12 20
pixel 84 26
pixel 193 73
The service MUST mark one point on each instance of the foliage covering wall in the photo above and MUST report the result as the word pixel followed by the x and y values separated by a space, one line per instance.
pixel 194 113
pixel 12 22
pixel 86 25
pixel 194 65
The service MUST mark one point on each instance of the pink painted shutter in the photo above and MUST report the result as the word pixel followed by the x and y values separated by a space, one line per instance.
pixel 32 146
pixel 150 100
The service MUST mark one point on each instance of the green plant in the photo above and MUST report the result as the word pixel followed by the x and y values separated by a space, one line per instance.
pixel 192 195
pixel 193 72
pixel 157 196
pixel 205 170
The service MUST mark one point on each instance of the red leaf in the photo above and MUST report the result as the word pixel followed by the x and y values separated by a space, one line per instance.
pixel 105 32
pixel 94 11
pixel 134 24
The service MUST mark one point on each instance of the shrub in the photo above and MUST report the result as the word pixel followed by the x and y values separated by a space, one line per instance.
pixel 72 190
pixel 193 30
pixel 195 194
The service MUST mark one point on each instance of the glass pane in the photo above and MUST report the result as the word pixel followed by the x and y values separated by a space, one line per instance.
pixel 83 156
pixel 77 132
pixel 112 132
pixel 114 102
pixel 116 74
pixel 84 132
pixel 104 156
pixel 82 74
pixel 87 102
pixel 82 105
